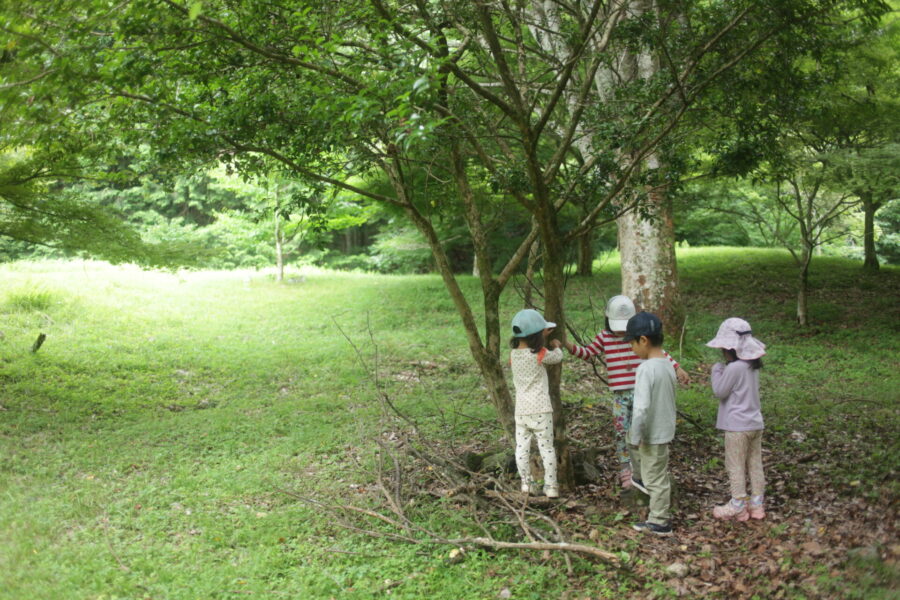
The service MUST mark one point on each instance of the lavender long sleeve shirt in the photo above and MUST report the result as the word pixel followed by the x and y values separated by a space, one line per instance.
pixel 736 385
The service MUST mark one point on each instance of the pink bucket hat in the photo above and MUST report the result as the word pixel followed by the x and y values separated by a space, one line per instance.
pixel 735 334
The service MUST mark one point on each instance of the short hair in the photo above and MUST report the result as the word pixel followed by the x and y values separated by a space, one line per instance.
pixel 655 339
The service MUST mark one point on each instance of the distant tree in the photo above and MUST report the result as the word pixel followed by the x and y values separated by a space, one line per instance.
pixel 873 176
pixel 861 111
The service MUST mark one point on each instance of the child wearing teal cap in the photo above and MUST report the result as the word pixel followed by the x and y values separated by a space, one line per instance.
pixel 534 413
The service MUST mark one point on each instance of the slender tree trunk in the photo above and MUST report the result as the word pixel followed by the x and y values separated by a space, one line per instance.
pixel 802 291
pixel 649 268
pixel 279 248
pixel 529 274
pixel 586 254
pixel 554 296
pixel 486 355
pixel 869 208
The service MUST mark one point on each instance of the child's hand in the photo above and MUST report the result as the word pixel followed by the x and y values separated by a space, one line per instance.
pixel 555 344
pixel 682 375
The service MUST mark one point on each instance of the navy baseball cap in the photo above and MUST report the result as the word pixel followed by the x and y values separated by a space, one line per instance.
pixel 643 323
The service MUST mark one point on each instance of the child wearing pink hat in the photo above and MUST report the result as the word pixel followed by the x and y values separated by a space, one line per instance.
pixel 736 384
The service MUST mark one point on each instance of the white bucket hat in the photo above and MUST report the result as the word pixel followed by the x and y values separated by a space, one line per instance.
pixel 735 334
pixel 618 310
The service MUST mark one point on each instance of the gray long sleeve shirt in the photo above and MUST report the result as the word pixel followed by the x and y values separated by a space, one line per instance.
pixel 736 385
pixel 653 419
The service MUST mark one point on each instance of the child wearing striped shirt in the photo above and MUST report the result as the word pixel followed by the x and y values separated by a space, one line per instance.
pixel 621 364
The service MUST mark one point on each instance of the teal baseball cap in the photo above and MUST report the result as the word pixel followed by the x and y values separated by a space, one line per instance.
pixel 528 322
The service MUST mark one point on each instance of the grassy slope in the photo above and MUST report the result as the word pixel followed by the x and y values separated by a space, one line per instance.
pixel 141 449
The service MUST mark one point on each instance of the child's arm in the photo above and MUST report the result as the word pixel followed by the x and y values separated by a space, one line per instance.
pixel 555 356
pixel 683 377
pixel 639 410
pixel 723 380
pixel 595 348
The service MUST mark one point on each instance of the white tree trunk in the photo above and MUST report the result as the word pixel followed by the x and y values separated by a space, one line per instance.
pixel 649 269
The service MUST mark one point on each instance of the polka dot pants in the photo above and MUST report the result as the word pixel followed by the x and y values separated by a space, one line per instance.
pixel 539 426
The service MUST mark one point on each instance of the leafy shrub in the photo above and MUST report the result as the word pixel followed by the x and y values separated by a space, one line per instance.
pixel 350 262
pixel 233 241
pixel 334 259
pixel 401 250
pixel 705 227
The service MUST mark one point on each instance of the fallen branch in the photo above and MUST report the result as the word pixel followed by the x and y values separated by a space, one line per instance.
pixel 541 547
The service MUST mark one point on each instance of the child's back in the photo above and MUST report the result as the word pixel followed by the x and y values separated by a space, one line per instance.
pixel 653 421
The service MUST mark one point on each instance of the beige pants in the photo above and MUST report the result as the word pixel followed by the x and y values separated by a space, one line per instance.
pixel 654 469
pixel 743 455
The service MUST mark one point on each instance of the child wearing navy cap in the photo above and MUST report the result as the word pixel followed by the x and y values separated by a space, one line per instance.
pixel 653 419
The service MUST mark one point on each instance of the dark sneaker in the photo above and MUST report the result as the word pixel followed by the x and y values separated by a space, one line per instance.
pixel 654 528
pixel 639 485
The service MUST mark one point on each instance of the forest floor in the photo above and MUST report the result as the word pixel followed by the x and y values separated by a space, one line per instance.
pixel 156 445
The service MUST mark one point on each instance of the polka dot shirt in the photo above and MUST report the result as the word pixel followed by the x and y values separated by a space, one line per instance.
pixel 530 379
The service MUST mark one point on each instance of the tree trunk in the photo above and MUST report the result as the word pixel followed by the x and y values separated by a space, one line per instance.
pixel 529 274
pixel 554 296
pixel 586 254
pixel 869 208
pixel 279 248
pixel 649 268
pixel 802 313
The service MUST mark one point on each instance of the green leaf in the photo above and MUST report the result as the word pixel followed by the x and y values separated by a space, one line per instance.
pixel 195 10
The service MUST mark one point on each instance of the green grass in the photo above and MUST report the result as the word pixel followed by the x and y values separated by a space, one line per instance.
pixel 142 449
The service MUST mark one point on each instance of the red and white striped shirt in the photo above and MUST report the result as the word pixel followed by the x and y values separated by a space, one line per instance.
pixel 621 361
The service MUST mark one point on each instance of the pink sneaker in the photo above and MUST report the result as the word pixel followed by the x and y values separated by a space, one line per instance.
pixel 625 478
pixel 730 510
pixel 756 510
